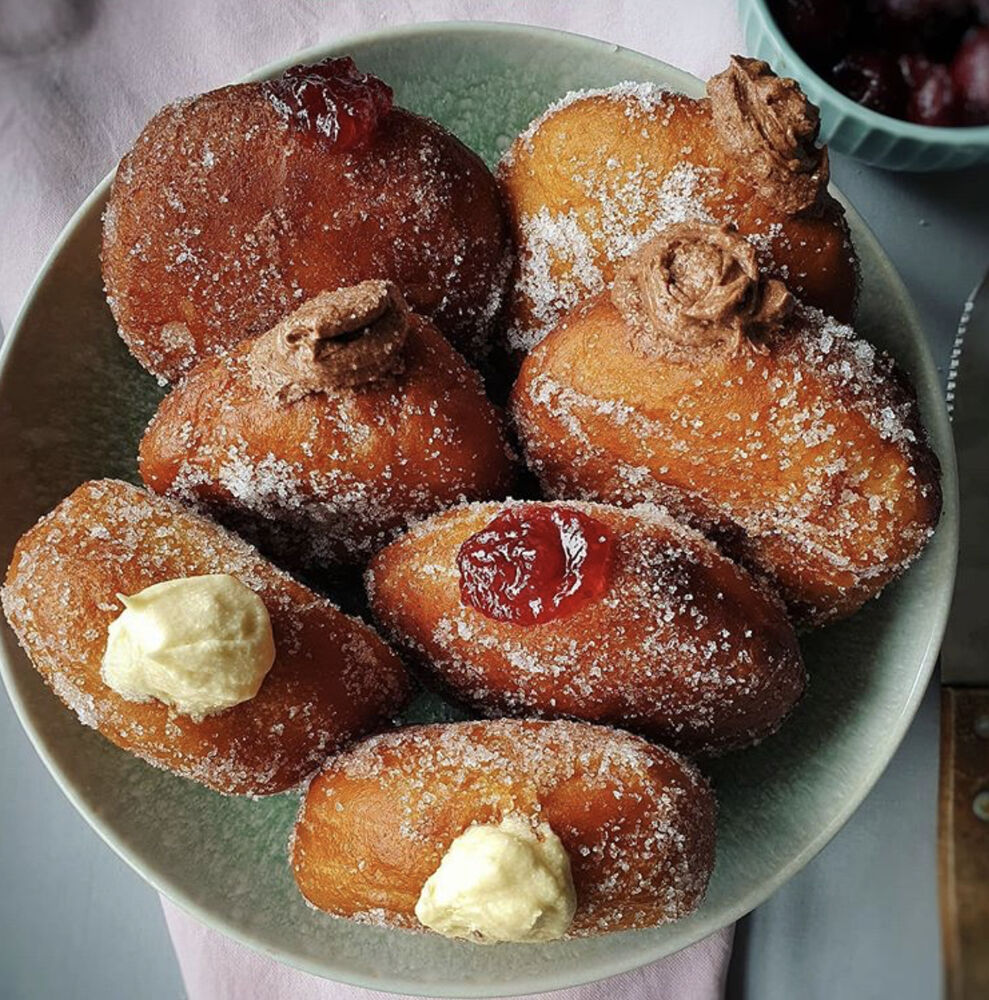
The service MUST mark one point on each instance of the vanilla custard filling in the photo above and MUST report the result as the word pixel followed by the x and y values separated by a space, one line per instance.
pixel 505 882
pixel 199 644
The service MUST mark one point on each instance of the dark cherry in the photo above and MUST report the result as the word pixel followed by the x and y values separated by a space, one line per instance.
pixel 332 100
pixel 912 12
pixel 931 27
pixel 914 68
pixel 534 563
pixel 970 73
pixel 872 79
pixel 932 93
pixel 816 27
pixel 905 58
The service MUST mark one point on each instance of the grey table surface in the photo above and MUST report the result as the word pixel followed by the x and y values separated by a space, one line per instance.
pixel 859 922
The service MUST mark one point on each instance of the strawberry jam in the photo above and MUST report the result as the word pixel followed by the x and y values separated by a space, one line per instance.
pixel 534 563
pixel 332 100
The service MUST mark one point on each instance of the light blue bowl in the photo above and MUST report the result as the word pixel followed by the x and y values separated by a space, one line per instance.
pixel 850 128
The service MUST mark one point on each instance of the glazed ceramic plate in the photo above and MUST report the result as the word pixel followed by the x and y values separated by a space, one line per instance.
pixel 73 405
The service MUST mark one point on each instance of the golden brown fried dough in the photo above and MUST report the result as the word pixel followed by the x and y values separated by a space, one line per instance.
pixel 225 215
pixel 331 476
pixel 332 679
pixel 636 820
pixel 600 172
pixel 682 645
pixel 765 423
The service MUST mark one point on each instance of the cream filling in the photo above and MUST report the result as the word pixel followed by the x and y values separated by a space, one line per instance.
pixel 199 644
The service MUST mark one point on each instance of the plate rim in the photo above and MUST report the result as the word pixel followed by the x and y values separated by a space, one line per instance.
pixel 531 982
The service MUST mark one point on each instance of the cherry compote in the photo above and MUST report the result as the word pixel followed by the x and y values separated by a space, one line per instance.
pixel 970 73
pixel 926 61
pixel 534 563
pixel 332 100
pixel 873 80
pixel 932 91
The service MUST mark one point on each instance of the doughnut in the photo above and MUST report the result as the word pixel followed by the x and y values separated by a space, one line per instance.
pixel 601 171
pixel 656 631
pixel 332 677
pixel 235 206
pixel 636 820
pixel 700 384
pixel 275 440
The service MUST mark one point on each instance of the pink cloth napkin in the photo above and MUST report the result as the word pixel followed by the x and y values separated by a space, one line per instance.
pixel 77 82
pixel 216 968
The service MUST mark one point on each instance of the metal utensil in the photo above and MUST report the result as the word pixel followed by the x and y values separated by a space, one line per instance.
pixel 963 829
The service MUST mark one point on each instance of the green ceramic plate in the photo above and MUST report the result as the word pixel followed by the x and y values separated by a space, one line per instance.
pixel 73 405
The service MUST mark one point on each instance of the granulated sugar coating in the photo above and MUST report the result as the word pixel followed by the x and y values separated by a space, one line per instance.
pixel 330 477
pixel 636 820
pixel 225 216
pixel 682 644
pixel 332 679
pixel 809 461
pixel 602 171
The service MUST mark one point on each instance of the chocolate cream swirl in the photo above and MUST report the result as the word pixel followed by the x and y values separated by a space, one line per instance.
pixel 695 292
pixel 336 340
pixel 767 122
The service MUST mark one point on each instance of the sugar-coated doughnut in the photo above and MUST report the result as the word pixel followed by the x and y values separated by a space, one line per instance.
pixel 601 171
pixel 698 384
pixel 636 819
pixel 330 474
pixel 675 640
pixel 332 678
pixel 235 206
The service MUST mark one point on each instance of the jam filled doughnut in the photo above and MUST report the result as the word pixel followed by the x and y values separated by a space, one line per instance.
pixel 312 181
pixel 592 612
pixel 636 821
pixel 699 384
pixel 321 438
pixel 600 172
pixel 332 677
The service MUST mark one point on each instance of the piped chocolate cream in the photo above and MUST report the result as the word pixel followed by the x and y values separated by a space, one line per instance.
pixel 767 121
pixel 695 291
pixel 336 340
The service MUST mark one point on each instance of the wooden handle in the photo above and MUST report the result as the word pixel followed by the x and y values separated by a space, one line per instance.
pixel 963 841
